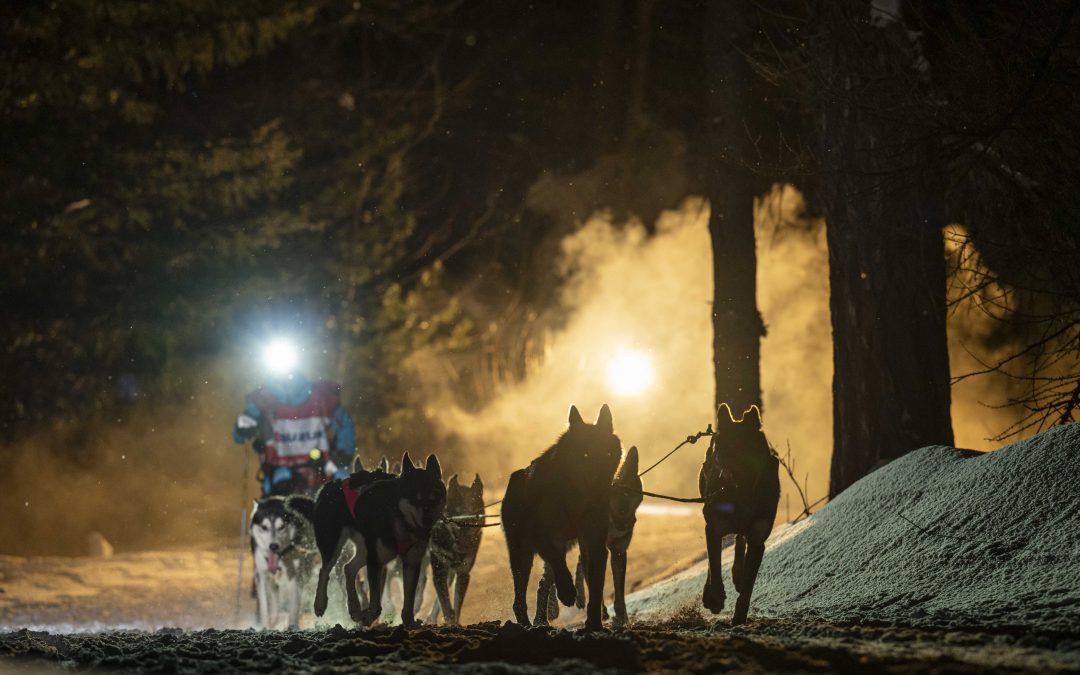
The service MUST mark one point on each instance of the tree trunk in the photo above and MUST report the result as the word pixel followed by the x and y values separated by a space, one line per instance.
pixel 887 277
pixel 732 187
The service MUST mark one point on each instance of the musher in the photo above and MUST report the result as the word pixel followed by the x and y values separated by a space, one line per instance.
pixel 300 430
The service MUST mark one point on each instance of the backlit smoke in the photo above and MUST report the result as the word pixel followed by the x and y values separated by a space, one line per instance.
pixel 172 476
pixel 628 290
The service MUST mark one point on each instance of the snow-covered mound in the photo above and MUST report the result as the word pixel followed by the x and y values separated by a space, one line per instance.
pixel 939 537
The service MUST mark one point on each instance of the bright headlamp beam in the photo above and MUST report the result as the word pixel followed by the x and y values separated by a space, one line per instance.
pixel 280 356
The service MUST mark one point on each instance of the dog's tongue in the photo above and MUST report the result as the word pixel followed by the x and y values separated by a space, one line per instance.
pixel 273 562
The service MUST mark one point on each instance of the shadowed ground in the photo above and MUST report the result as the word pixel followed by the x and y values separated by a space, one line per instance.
pixel 685 645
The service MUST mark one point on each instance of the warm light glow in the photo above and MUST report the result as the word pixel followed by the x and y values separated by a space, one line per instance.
pixel 280 356
pixel 630 372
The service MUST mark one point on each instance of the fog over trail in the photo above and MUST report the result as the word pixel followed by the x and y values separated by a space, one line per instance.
pixel 628 288
pixel 170 475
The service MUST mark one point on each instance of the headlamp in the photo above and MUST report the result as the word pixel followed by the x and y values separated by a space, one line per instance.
pixel 280 356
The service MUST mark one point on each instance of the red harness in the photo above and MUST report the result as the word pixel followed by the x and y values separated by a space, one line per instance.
pixel 351 495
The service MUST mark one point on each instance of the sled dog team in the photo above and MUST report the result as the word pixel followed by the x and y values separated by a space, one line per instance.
pixel 583 490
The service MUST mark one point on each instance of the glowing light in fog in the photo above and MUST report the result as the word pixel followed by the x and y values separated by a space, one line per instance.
pixel 280 356
pixel 630 372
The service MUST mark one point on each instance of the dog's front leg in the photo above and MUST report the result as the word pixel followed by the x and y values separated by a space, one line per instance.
pixel 421 584
pixel 593 546
pixel 352 570
pixel 754 552
pixel 712 596
pixel 460 586
pixel 410 573
pixel 292 603
pixel 440 577
pixel 273 606
pixel 375 587
pixel 579 578
pixel 262 601
pixel 618 579
pixel 543 613
pixel 554 554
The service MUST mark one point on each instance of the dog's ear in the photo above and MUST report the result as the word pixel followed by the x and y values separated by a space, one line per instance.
pixel 384 465
pixel 753 416
pixel 357 464
pixel 603 420
pixel 453 482
pixel 432 465
pixel 254 506
pixel 724 416
pixel 478 484
pixel 630 463
pixel 406 464
pixel 575 417
pixel 305 506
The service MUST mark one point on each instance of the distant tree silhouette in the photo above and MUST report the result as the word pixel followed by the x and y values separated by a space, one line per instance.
pixel 732 183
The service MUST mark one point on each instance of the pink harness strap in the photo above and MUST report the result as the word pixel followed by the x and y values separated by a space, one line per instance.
pixel 351 495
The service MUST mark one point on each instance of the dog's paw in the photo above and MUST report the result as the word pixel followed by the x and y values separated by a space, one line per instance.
pixel 713 601
pixel 368 616
pixel 320 605
pixel 567 595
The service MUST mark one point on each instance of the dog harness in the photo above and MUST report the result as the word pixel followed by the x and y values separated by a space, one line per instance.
pixel 351 495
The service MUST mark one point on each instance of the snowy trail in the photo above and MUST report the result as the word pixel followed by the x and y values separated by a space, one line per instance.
pixel 939 538
pixel 196 589
pixel 939 562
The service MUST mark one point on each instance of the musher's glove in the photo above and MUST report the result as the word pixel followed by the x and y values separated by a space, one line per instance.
pixel 246 425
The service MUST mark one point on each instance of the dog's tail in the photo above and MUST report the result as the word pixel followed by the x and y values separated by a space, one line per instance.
pixel 305 506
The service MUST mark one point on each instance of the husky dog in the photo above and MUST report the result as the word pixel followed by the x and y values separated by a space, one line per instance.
pixel 383 465
pixel 394 577
pixel 282 545
pixel 560 498
pixel 622 515
pixel 360 478
pixel 740 484
pixel 454 546
pixel 386 519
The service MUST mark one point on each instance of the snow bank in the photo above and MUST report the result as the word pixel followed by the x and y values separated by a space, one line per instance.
pixel 938 538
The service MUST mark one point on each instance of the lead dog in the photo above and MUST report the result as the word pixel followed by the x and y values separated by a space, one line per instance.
pixel 622 515
pixel 740 483
pixel 454 545
pixel 282 545
pixel 386 519
pixel 560 498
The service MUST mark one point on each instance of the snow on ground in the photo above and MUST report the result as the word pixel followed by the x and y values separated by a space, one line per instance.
pixel 197 588
pixel 942 561
pixel 940 538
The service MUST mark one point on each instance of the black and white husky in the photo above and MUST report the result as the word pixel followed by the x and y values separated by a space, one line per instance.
pixel 283 547
pixel 453 547
pixel 385 520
